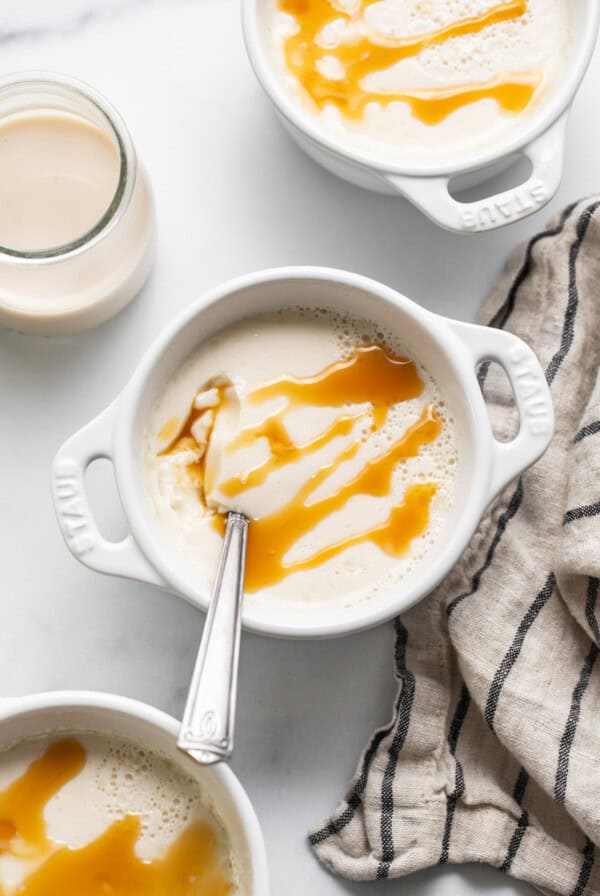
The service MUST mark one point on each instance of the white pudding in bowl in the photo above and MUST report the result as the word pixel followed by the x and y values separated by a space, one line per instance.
pixel 326 434
pixel 98 814
pixel 415 81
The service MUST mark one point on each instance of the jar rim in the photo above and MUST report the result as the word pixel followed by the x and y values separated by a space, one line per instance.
pixel 30 81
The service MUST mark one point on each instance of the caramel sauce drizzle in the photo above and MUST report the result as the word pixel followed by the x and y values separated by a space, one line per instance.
pixel 371 376
pixel 282 449
pixel 368 54
pixel 271 537
pixel 109 865
pixel 22 804
pixel 169 431
pixel 177 434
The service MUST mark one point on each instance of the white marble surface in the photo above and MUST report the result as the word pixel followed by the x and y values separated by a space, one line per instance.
pixel 233 195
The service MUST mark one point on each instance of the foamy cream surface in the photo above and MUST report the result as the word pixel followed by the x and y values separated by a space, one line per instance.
pixel 533 43
pixel 298 344
pixel 119 778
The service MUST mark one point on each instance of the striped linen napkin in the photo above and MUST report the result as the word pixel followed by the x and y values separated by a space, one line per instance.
pixel 493 751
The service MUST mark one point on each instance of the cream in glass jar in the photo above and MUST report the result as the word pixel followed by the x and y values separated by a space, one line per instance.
pixel 76 215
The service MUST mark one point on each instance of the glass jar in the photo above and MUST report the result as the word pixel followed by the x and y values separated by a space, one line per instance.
pixel 81 283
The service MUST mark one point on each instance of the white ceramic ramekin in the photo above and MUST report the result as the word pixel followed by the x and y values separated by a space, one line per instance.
pixel 22 718
pixel 540 137
pixel 449 350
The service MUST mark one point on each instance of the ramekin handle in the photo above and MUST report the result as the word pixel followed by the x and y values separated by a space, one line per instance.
pixel 432 196
pixel 75 518
pixel 532 397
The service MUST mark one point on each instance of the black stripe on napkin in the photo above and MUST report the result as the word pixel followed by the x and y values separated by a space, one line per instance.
pixel 515 841
pixel 564 750
pixel 588 511
pixel 512 654
pixel 355 798
pixel 586 869
pixel 406 700
pixel 511 510
pixel 592 429
pixel 456 725
pixel 520 786
pixel 590 608
pixel 522 824
pixel 573 303
pixel 502 315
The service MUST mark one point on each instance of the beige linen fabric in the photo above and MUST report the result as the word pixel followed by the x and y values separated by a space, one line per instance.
pixel 493 752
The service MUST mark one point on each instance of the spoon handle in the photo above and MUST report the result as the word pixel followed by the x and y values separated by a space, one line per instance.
pixel 209 717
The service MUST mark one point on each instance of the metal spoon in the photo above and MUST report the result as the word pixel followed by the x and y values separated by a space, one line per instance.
pixel 208 720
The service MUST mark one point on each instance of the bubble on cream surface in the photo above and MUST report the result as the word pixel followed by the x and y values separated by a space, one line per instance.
pixel 299 343
pixel 535 42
